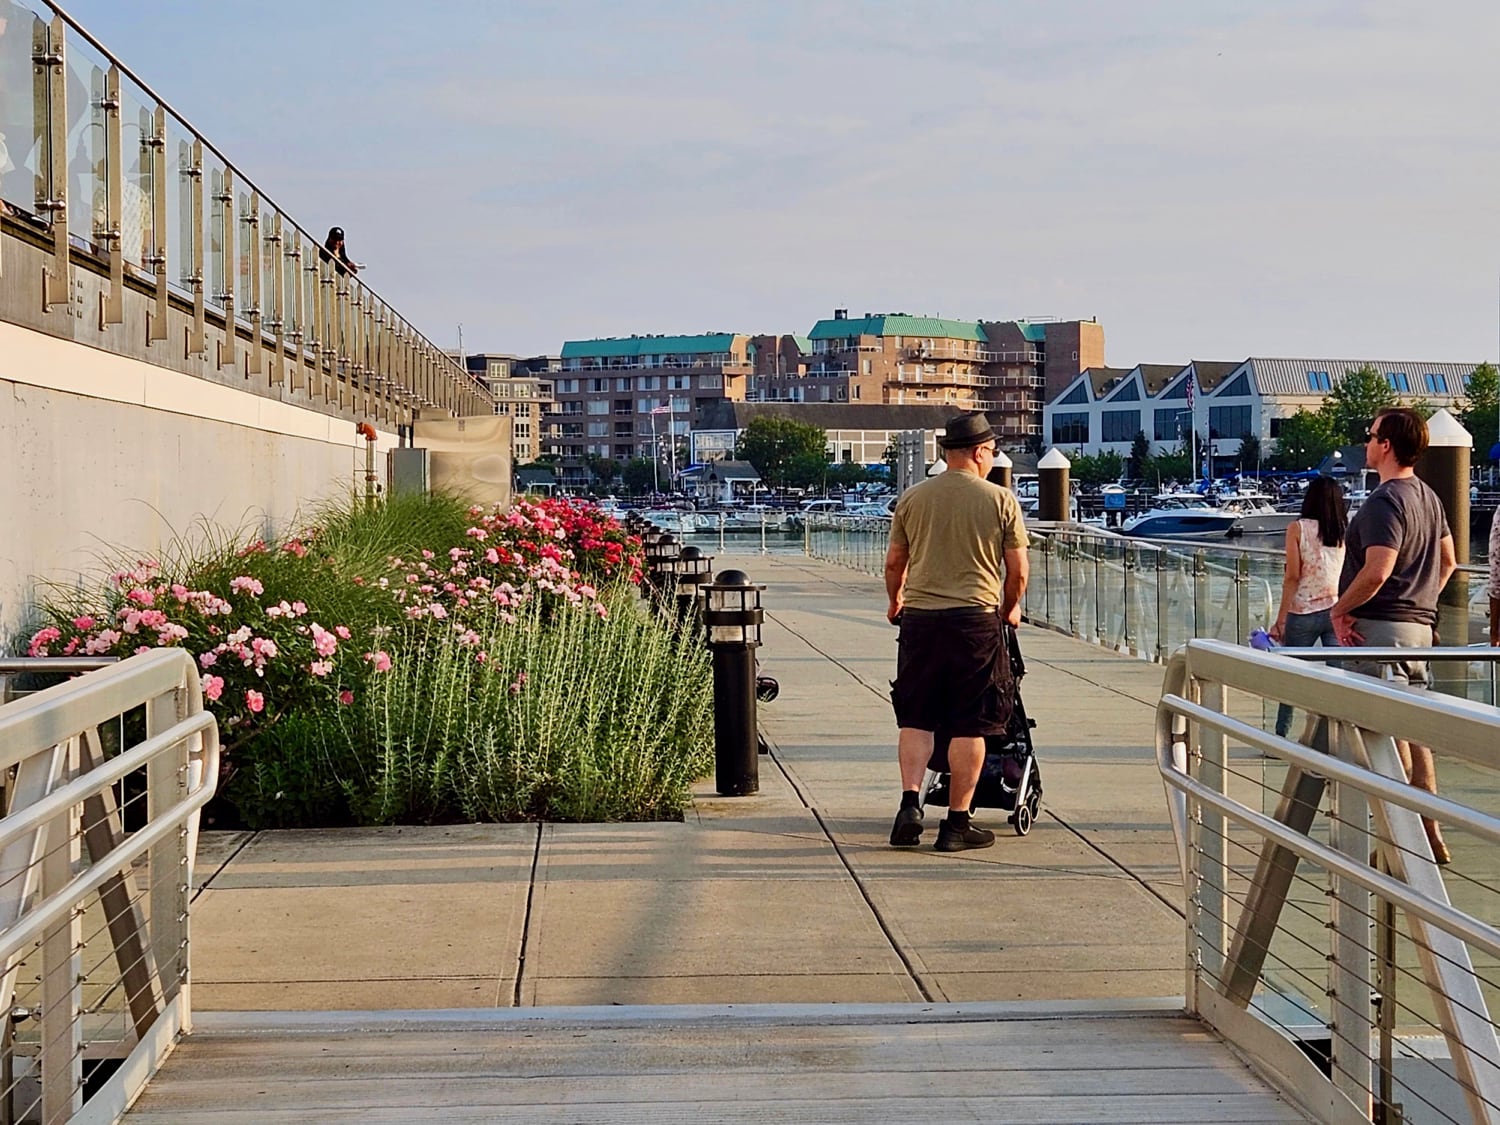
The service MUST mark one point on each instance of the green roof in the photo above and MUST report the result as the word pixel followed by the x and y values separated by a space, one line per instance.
pixel 804 344
pixel 925 326
pixel 629 346
pixel 1034 333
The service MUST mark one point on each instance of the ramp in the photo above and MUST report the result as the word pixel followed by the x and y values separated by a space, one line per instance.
pixel 762 1064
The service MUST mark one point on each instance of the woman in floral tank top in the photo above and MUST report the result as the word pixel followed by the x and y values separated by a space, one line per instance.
pixel 1314 557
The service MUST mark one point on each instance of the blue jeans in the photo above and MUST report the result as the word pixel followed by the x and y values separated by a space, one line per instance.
pixel 1303 630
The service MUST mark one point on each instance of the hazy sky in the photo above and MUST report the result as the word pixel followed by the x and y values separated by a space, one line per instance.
pixel 1210 179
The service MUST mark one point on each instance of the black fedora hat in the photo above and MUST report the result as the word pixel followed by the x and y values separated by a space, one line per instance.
pixel 966 430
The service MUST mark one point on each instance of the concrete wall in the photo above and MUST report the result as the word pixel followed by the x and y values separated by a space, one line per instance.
pixel 100 451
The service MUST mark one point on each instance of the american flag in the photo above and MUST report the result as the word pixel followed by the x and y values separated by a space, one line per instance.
pixel 661 410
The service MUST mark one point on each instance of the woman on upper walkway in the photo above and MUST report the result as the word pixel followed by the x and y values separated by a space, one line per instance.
pixel 1310 582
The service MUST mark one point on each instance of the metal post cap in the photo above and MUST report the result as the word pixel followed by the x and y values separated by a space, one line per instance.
pixel 690 554
pixel 733 578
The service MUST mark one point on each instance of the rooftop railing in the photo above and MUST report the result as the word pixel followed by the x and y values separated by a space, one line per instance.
pixel 101 176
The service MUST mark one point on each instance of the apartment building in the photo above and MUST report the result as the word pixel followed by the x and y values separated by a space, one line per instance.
pixel 523 391
pixel 638 396
pixel 778 370
pixel 1000 367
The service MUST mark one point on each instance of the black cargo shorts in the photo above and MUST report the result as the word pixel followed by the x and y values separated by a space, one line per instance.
pixel 953 672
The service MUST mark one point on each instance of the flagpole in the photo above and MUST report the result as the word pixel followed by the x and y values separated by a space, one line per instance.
pixel 655 456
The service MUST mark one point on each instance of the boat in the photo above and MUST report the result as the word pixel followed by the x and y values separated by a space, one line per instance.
pixel 1174 518
pixel 673 520
pixel 1257 515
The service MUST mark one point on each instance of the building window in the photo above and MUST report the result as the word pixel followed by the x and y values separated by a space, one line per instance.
pixel 1435 384
pixel 598 386
pixel 1076 397
pixel 598 429
pixel 1398 381
pixel 1276 427
pixel 1172 425
pixel 598 406
pixel 1319 381
pixel 1070 428
pixel 856 391
pixel 1120 425
pixel 867 367
pixel 1130 392
pixel 1228 421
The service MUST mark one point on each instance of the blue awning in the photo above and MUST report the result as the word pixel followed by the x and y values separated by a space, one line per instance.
pixel 1495 452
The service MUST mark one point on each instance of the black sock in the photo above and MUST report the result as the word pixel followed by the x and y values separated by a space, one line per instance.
pixel 909 799
pixel 958 819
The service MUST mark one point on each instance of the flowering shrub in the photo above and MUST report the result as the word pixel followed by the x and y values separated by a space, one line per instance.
pixel 291 636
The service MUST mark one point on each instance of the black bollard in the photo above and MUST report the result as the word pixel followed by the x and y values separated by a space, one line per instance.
pixel 732 618
pixel 694 571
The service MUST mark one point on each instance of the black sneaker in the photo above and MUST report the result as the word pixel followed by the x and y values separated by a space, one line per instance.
pixel 908 827
pixel 952 839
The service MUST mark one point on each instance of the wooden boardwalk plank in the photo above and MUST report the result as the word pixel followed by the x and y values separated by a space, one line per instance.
pixel 1142 1068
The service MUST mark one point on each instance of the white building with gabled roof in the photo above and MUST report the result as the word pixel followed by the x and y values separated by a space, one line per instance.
pixel 1102 409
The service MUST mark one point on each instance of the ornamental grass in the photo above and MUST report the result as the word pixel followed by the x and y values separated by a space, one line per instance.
pixel 419 660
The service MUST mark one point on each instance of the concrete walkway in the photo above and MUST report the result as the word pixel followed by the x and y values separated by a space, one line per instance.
pixel 791 896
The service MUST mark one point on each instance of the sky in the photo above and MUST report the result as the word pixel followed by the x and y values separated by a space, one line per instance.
pixel 1210 179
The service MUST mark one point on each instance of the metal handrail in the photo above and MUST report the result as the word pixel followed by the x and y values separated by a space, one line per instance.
pixel 61 799
pixel 1365 716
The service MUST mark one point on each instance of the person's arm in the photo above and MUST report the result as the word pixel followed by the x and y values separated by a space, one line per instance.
pixel 1291 576
pixel 1017 571
pixel 1448 560
pixel 1380 563
pixel 896 558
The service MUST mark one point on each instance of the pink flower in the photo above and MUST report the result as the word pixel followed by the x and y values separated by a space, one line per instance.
pixel 358 580
pixel 255 701
pixel 264 646
pixel 102 643
pixel 492 556
pixel 208 659
pixel 346 697
pixel 426 554
pixel 324 642
pixel 342 631
pixel 299 608
pixel 321 667
pixel 245 584
pixel 84 622
pixel 380 660
pixel 213 687
pixel 41 639
pixel 141 596
pixel 477 533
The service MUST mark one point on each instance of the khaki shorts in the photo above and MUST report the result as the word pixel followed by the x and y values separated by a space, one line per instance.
pixel 1394 634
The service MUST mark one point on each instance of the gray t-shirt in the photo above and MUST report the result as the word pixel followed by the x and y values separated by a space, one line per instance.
pixel 1402 513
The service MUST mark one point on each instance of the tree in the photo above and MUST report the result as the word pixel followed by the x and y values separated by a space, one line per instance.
pixel 1304 440
pixel 847 474
pixel 1480 408
pixel 1249 453
pixel 807 470
pixel 1352 405
pixel 1175 465
pixel 1097 468
pixel 603 469
pixel 771 444
pixel 1140 453
pixel 640 476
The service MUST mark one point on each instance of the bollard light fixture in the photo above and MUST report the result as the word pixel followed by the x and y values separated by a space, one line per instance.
pixel 732 612
pixel 694 569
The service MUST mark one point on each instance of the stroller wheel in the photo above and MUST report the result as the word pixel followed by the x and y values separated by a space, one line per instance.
pixel 1022 819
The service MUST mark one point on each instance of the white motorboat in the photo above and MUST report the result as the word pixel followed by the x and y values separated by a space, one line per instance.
pixel 673 520
pixel 1256 515
pixel 1175 518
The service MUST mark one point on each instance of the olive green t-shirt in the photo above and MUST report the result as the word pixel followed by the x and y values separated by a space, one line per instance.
pixel 957 527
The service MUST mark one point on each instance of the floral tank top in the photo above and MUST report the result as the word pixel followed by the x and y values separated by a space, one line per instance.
pixel 1318 587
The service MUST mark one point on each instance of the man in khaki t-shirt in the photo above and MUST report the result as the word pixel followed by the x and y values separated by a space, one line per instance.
pixel 954 574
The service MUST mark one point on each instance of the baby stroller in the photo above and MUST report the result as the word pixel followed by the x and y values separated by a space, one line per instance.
pixel 1010 778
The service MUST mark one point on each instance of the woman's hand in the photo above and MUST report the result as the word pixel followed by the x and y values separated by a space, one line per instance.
pixel 1277 631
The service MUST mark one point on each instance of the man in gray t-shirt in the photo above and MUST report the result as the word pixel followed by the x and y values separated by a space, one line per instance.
pixel 1399 557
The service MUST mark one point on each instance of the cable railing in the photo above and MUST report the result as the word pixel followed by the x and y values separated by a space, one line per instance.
pixel 1323 939
pixel 104 778
pixel 99 175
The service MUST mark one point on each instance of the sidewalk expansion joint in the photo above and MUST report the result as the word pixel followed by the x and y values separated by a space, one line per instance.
pixel 1147 887
pixel 536 860
pixel 883 696
pixel 864 893
pixel 230 858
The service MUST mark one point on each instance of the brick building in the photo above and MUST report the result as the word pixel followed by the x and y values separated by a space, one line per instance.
pixel 523 392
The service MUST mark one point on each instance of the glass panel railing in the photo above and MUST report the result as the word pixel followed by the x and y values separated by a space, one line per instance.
pixel 88 190
pixel 270 255
pixel 138 239
pixel 186 234
pixel 246 232
pixel 216 213
pixel 23 110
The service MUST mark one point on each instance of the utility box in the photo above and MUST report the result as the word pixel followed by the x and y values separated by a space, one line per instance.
pixel 469 457
pixel 406 469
